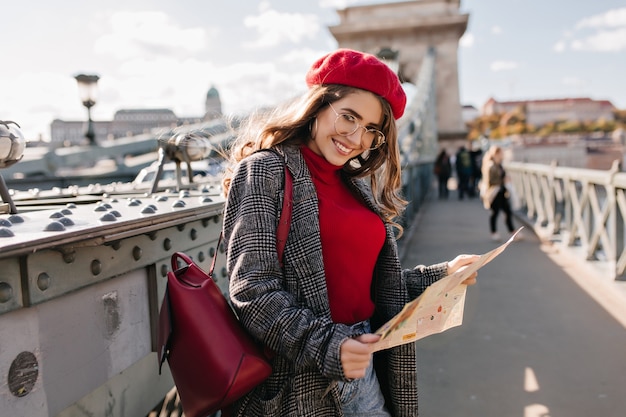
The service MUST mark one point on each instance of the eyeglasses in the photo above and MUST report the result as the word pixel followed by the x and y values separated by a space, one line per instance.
pixel 346 124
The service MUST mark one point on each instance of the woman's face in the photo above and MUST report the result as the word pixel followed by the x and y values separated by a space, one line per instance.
pixel 337 149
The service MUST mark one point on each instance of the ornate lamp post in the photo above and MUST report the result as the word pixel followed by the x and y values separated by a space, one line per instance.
pixel 87 91
pixel 12 146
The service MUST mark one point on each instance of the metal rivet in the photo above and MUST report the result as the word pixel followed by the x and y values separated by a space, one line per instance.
pixel 56 215
pixel 108 217
pixel 23 374
pixel 66 221
pixel 6 232
pixel 5 223
pixel 193 234
pixel 69 257
pixel 167 244
pixel 148 210
pixel 153 235
pixel 201 256
pixel 116 245
pixel 6 292
pixel 137 252
pixel 164 270
pixel 178 203
pixel 224 272
pixel 96 267
pixel 212 252
pixel 180 227
pixel 116 213
pixel 162 198
pixel 43 281
pixel 16 218
pixel 54 227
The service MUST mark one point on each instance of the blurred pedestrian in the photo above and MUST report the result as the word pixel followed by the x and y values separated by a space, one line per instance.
pixel 443 170
pixel 463 165
pixel 494 191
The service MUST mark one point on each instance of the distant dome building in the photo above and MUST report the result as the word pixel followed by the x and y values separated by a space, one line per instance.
pixel 212 105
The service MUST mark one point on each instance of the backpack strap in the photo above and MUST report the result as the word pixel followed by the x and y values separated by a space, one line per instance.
pixel 284 222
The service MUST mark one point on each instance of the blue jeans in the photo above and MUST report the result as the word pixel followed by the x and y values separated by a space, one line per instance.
pixel 362 397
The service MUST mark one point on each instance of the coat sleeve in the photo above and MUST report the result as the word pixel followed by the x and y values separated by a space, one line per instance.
pixel 420 277
pixel 258 290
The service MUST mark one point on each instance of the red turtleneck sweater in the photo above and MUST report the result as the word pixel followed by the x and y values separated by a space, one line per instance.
pixel 352 237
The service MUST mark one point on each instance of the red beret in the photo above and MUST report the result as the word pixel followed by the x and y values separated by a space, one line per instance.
pixel 360 70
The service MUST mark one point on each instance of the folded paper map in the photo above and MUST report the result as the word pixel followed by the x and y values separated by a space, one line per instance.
pixel 437 309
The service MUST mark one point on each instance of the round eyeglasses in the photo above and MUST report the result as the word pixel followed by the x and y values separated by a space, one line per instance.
pixel 346 124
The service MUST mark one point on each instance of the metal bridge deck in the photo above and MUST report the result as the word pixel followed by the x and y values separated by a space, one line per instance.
pixel 543 332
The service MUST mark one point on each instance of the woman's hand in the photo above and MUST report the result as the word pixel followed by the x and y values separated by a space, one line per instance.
pixel 460 262
pixel 356 355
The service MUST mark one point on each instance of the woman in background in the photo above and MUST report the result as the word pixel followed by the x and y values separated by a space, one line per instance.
pixel 495 194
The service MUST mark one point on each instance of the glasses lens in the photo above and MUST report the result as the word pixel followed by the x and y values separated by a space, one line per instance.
pixel 346 124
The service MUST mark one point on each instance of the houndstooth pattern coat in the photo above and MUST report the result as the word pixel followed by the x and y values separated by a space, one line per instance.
pixel 288 310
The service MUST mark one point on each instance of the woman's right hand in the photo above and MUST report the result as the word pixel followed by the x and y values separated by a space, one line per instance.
pixel 356 355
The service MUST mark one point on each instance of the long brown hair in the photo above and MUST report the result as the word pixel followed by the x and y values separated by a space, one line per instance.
pixel 292 123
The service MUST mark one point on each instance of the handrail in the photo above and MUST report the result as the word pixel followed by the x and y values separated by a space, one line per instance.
pixel 417 138
pixel 581 208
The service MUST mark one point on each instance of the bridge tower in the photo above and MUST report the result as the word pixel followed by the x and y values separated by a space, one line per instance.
pixel 410 29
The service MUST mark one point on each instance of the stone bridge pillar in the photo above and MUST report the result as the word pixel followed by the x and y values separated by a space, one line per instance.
pixel 411 28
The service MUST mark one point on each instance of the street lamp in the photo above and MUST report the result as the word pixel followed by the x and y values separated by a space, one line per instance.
pixel 87 91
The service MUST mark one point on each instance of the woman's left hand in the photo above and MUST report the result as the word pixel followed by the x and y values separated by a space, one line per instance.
pixel 460 262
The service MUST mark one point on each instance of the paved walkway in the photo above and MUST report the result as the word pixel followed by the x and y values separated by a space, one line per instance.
pixel 543 333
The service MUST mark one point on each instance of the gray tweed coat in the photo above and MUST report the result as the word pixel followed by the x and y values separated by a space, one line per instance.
pixel 288 310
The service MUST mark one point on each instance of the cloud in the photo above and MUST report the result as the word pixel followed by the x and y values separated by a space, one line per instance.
pixel 503 66
pixel 603 41
pixel 610 19
pixel 336 4
pixel 149 34
pixel 559 46
pixel 274 28
pixel 467 40
pixel 608 33
pixel 496 30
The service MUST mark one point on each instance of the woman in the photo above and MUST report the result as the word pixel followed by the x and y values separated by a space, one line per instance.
pixel 496 195
pixel 341 276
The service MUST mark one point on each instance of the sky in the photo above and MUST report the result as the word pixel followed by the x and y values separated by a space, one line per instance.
pixel 167 54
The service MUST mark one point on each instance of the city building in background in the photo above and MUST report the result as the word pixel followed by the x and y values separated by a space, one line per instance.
pixel 130 122
pixel 540 112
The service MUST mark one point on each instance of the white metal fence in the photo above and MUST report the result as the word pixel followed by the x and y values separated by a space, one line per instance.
pixel 580 208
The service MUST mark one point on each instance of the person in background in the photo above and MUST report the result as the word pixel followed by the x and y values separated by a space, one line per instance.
pixel 495 194
pixel 316 313
pixel 476 154
pixel 443 170
pixel 463 165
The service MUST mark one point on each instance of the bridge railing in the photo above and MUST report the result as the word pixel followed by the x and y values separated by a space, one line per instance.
pixel 417 138
pixel 583 209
